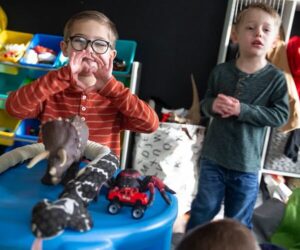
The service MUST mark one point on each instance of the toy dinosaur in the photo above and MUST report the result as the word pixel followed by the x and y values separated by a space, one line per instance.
pixel 65 141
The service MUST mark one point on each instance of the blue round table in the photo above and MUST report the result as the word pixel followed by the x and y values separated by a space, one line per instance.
pixel 21 189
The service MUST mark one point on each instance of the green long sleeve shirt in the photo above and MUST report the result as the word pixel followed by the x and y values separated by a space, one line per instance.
pixel 236 142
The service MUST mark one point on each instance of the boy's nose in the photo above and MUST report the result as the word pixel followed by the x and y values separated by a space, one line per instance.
pixel 89 47
pixel 258 32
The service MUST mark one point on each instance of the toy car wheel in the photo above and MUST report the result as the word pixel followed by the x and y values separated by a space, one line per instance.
pixel 114 207
pixel 138 212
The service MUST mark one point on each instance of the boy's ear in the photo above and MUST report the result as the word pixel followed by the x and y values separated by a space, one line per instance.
pixel 276 39
pixel 63 47
pixel 233 35
pixel 113 53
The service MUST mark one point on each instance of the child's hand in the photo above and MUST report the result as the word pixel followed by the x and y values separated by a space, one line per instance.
pixel 103 73
pixel 226 106
pixel 77 67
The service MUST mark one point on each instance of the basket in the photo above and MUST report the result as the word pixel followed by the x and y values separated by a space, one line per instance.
pixel 126 51
pixel 13 37
pixel 275 158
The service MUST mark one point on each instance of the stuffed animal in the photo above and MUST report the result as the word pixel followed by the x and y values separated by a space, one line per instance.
pixel 65 141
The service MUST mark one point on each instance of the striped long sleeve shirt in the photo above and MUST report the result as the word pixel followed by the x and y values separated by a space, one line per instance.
pixel 107 111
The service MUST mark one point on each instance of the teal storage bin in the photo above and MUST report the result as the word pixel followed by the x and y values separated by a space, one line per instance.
pixel 125 51
pixel 61 60
pixel 10 83
pixel 28 131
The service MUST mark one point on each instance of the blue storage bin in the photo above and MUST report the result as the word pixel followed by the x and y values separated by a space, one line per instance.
pixel 28 131
pixel 48 41
pixel 52 42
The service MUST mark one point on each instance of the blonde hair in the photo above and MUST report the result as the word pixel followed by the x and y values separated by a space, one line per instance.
pixel 261 6
pixel 92 15
pixel 224 234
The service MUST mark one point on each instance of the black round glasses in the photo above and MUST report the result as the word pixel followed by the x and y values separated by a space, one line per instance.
pixel 80 43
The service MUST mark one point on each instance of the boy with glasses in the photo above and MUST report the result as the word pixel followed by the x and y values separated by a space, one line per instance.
pixel 86 86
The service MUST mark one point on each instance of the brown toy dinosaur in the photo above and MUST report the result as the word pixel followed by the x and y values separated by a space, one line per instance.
pixel 65 141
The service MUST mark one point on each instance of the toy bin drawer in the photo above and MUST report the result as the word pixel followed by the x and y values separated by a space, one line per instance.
pixel 28 131
pixel 42 51
pixel 10 83
pixel 125 52
pixel 37 72
pixel 38 68
pixel 13 44
pixel 8 126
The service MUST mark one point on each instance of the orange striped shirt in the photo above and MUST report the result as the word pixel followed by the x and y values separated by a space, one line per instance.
pixel 107 111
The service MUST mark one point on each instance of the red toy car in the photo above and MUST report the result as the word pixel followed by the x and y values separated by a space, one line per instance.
pixel 129 188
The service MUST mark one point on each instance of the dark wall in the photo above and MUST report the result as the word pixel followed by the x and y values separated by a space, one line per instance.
pixel 296 23
pixel 175 38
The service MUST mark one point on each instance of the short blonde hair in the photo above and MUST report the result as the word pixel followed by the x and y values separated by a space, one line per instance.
pixel 261 6
pixel 92 15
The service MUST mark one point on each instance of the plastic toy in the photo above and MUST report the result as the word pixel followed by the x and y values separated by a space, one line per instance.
pixel 65 141
pixel 129 188
pixel 119 64
pixel 13 51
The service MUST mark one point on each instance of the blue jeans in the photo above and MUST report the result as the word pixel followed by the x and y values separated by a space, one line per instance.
pixel 237 189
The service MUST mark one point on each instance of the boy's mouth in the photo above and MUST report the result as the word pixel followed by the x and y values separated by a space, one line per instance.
pixel 257 43
pixel 89 65
pixel 88 60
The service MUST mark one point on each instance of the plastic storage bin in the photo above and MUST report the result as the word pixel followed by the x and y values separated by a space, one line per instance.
pixel 28 131
pixel 125 51
pixel 13 37
pixel 8 126
pixel 48 41
pixel 10 83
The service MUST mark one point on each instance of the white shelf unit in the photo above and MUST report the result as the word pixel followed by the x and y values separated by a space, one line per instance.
pixel 286 9
pixel 127 135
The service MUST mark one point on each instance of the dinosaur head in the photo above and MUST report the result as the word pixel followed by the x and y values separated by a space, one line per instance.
pixel 65 141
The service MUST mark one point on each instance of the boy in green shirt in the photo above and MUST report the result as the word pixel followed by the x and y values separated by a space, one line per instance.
pixel 244 96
